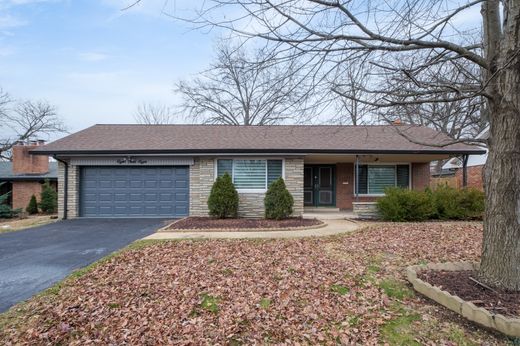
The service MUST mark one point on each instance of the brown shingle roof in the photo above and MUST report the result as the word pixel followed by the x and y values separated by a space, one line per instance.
pixel 100 139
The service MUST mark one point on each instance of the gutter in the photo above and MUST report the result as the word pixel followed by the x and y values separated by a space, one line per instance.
pixel 256 151
pixel 65 186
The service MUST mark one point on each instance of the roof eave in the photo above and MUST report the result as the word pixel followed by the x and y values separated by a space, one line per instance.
pixel 260 151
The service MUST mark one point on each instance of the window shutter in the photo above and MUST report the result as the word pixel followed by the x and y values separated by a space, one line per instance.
pixel 224 166
pixel 363 179
pixel 274 170
pixel 403 176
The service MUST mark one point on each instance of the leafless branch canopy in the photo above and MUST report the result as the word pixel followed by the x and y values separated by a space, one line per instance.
pixel 22 120
pixel 154 114
pixel 412 50
pixel 243 89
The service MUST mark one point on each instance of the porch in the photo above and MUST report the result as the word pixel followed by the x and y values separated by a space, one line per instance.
pixel 333 183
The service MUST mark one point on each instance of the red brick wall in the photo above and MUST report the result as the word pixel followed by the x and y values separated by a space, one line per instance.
pixel 475 174
pixel 23 162
pixel 22 192
pixel 420 175
pixel 345 183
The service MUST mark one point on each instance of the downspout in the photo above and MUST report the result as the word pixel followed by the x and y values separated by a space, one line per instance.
pixel 357 178
pixel 65 185
pixel 465 171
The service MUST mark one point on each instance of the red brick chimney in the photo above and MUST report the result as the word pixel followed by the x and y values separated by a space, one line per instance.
pixel 25 163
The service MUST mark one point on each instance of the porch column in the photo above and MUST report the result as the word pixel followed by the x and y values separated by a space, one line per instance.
pixel 464 170
pixel 357 178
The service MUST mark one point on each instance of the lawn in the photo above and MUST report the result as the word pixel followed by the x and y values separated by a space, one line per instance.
pixel 11 225
pixel 343 289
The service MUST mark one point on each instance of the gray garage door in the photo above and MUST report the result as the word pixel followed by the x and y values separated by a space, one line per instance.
pixel 134 191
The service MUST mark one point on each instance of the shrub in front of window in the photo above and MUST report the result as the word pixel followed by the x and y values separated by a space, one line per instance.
pixel 455 204
pixel 405 205
pixel 32 207
pixel 49 199
pixel 223 199
pixel 278 201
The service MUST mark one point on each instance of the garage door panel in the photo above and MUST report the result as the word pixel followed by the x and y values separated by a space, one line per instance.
pixel 134 191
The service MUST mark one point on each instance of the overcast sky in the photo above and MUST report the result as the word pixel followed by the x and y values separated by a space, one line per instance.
pixel 93 61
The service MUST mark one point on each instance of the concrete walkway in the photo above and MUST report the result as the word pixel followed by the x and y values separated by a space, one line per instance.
pixel 333 227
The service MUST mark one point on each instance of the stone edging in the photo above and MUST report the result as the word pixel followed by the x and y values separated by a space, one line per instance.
pixel 302 228
pixel 501 323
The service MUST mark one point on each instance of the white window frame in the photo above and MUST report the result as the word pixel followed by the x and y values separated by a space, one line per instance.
pixel 395 164
pixel 264 190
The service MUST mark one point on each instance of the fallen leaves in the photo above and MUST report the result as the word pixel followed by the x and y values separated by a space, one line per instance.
pixel 344 290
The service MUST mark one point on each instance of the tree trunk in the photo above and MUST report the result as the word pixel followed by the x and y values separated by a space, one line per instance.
pixel 500 264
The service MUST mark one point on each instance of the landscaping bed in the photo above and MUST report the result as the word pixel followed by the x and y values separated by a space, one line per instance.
pixel 346 289
pixel 458 283
pixel 241 224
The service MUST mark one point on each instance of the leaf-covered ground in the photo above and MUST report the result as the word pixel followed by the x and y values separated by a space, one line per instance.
pixel 337 290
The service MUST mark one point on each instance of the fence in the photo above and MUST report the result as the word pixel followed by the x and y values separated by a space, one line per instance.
pixel 451 181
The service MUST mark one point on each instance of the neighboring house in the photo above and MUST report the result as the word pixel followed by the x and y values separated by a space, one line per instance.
pixel 26 173
pixel 475 167
pixel 168 170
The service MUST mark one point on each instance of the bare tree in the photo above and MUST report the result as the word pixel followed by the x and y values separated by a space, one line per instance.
pixel 331 33
pixel 154 114
pixel 459 119
pixel 22 120
pixel 243 89
pixel 348 86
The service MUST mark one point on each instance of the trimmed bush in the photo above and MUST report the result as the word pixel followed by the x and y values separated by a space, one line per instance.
pixel 278 201
pixel 445 203
pixel 32 207
pixel 405 205
pixel 223 198
pixel 454 204
pixel 49 199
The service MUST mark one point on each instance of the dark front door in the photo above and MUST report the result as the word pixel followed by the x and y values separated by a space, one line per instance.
pixel 319 187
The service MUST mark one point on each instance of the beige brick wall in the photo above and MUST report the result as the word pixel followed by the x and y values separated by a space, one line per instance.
pixel 202 175
pixel 73 191
pixel 201 180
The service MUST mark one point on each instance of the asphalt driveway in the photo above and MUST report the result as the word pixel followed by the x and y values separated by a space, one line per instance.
pixel 34 259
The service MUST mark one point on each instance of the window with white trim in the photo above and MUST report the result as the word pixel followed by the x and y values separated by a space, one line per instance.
pixel 374 179
pixel 251 174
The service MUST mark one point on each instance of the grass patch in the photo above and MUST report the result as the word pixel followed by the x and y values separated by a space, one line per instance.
pixel 457 335
pixel 227 272
pixel 354 321
pixel 23 224
pixel 209 303
pixel 395 289
pixel 400 331
pixel 340 289
pixel 265 303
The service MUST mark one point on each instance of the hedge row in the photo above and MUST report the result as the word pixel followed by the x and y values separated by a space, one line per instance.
pixel 444 203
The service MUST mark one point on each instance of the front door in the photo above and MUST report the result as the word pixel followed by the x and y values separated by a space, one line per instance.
pixel 319 187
